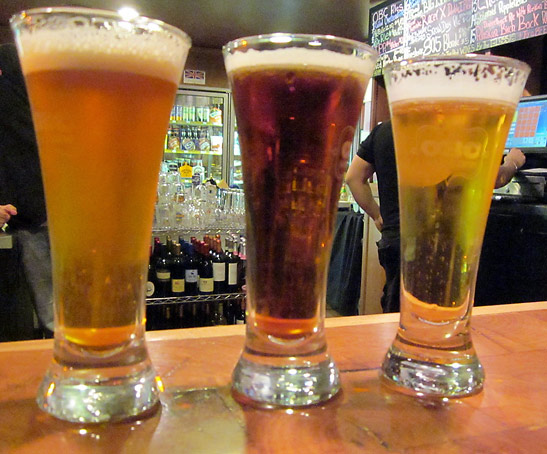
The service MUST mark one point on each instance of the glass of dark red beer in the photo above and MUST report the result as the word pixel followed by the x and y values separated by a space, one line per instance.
pixel 297 100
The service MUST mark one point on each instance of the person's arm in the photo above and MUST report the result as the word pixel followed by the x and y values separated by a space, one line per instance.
pixel 513 161
pixel 6 212
pixel 357 177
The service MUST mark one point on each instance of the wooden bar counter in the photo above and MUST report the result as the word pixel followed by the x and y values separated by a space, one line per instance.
pixel 198 414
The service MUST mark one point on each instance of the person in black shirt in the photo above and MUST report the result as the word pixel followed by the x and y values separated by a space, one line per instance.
pixel 377 154
pixel 22 202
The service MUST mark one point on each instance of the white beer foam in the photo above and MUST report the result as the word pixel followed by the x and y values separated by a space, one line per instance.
pixel 300 57
pixel 477 80
pixel 159 55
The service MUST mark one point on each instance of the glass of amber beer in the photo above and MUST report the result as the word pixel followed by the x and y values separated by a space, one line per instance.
pixel 450 117
pixel 297 100
pixel 101 89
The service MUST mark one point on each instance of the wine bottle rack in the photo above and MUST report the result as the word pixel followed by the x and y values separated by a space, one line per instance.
pixel 195 232
pixel 219 297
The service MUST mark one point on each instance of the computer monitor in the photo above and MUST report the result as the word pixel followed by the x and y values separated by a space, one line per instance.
pixel 529 128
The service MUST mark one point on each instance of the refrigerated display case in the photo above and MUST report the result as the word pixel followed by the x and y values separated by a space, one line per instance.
pixel 199 135
pixel 236 169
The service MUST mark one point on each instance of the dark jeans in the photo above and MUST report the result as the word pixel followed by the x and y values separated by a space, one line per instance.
pixel 36 260
pixel 389 255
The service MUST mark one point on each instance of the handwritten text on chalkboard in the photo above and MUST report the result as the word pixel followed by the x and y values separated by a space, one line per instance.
pixel 409 28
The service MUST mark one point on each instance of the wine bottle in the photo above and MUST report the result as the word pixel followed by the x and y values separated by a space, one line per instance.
pixel 178 272
pixel 232 262
pixel 163 273
pixel 219 262
pixel 151 279
pixel 191 271
pixel 242 265
pixel 206 282
pixel 242 268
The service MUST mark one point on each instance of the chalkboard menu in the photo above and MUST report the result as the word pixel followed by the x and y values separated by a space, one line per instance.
pixel 401 29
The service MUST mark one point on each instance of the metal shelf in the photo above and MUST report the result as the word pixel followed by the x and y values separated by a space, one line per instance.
pixel 194 299
pixel 209 231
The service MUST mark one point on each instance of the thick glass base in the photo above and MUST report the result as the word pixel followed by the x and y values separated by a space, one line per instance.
pixel 307 382
pixel 100 394
pixel 428 376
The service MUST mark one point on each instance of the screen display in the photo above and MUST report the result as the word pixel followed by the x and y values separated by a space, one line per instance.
pixel 529 128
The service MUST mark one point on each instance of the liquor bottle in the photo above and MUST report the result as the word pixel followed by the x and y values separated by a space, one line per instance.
pixel 163 273
pixel 198 169
pixel 215 115
pixel 178 272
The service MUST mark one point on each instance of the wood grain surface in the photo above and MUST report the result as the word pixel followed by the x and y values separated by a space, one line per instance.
pixel 198 414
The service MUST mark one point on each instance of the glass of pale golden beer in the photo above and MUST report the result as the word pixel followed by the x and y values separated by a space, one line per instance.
pixel 450 118
pixel 297 100
pixel 101 89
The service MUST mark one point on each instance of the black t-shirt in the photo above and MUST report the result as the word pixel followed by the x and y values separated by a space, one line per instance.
pixel 20 175
pixel 378 149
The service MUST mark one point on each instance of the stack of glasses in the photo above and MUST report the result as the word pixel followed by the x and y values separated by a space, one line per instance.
pixel 197 207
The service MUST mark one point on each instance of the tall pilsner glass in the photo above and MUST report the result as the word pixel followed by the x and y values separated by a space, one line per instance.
pixel 101 89
pixel 297 100
pixel 450 116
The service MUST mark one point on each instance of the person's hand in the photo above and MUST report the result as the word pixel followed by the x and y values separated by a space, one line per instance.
pixel 6 212
pixel 379 223
pixel 515 157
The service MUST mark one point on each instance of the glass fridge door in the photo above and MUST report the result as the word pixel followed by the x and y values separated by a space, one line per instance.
pixel 196 143
pixel 236 170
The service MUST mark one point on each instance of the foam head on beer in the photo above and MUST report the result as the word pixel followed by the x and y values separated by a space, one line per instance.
pixel 477 78
pixel 313 56
pixel 143 46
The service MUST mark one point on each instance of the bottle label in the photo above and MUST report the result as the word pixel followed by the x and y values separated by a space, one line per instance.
pixel 232 273
pixel 188 144
pixel 219 272
pixel 150 288
pixel 204 145
pixel 163 275
pixel 173 143
pixel 206 285
pixel 215 116
pixel 177 285
pixel 185 171
pixel 191 276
